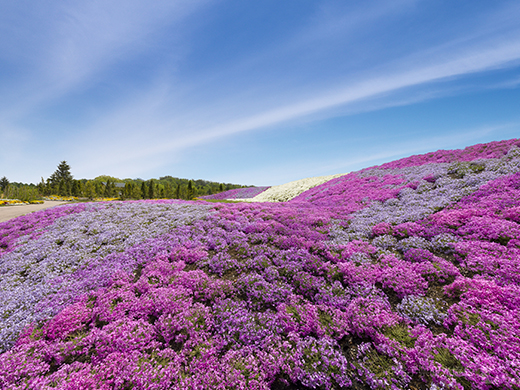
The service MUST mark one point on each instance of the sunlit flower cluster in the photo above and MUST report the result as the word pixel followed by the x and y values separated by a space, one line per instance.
pixel 11 202
pixel 61 198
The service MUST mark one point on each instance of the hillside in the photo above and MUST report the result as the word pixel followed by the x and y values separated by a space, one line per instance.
pixel 400 276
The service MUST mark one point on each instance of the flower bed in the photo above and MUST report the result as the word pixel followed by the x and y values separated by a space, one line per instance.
pixel 288 191
pixel 400 276
pixel 237 194
pixel 11 202
pixel 15 202
pixel 62 198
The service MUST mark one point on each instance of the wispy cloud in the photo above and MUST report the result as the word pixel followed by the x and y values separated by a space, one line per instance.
pixel 178 132
pixel 92 35
pixel 85 39
pixel 459 64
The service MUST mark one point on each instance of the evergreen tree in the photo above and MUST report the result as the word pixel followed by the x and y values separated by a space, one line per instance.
pixel 74 189
pixel 178 191
pixel 61 179
pixel 144 190
pixel 51 188
pixel 62 188
pixel 190 190
pixel 4 184
pixel 42 188
pixel 127 191
pixel 151 189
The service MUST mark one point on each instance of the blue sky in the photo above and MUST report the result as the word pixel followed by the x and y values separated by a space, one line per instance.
pixel 250 92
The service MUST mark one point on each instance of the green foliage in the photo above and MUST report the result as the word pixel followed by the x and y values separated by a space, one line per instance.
pixel 144 190
pixel 380 365
pixel 190 191
pixel 4 184
pixel 22 192
pixel 462 168
pixel 109 189
pixel 469 318
pixel 151 189
pixel 60 182
pixel 106 178
pixel 445 358
pixel 90 190
pixel 77 188
pixel 401 334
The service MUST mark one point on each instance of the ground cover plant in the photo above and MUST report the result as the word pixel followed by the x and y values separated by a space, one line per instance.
pixel 402 276
pixel 288 191
pixel 237 193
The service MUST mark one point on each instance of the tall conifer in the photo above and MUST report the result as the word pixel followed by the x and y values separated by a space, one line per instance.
pixel 144 190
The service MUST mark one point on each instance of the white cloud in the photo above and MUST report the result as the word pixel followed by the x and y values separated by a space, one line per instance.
pixel 84 39
pixel 479 60
pixel 145 130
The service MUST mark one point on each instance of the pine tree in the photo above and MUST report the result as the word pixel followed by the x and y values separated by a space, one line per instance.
pixel 144 190
pixel 190 190
pixel 151 189
pixel 42 188
pixel 61 179
pixel 62 188
pixel 4 184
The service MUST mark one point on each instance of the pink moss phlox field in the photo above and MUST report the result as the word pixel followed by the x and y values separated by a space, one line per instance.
pixel 403 276
pixel 47 269
pixel 492 150
pixel 237 193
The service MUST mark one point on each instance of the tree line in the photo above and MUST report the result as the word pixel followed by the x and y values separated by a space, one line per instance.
pixel 21 191
pixel 62 183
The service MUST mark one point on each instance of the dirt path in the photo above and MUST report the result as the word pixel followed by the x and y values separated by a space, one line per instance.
pixel 9 212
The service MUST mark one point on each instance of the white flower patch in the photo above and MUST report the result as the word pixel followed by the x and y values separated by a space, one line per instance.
pixel 288 191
